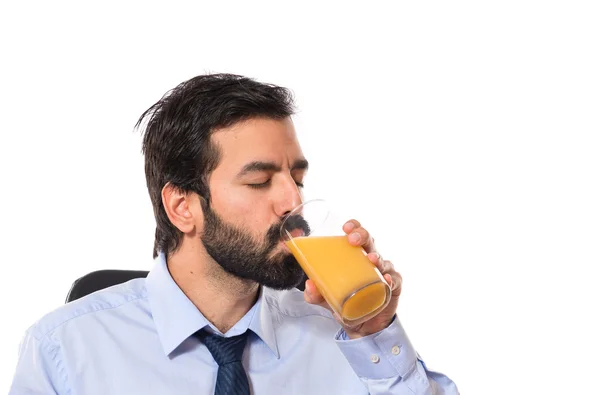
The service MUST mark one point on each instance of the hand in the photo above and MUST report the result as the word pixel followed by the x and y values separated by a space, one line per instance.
pixel 358 236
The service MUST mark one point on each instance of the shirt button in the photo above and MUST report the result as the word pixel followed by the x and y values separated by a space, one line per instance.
pixel 395 350
pixel 374 358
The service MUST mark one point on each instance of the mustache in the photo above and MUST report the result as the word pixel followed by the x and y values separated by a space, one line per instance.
pixel 293 223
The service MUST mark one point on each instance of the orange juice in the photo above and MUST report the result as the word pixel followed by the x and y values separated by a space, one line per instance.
pixel 348 281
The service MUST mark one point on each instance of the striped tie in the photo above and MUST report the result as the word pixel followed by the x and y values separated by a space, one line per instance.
pixel 227 352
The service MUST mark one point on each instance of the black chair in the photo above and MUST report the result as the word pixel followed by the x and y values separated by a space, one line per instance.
pixel 101 279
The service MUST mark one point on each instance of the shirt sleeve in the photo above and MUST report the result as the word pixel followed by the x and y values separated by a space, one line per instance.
pixel 40 369
pixel 387 363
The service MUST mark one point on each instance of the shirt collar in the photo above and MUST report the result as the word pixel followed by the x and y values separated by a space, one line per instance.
pixel 176 318
pixel 262 322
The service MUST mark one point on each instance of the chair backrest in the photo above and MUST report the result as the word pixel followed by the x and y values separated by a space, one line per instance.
pixel 101 279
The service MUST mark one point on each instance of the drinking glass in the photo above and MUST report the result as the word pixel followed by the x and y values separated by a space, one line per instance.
pixel 350 283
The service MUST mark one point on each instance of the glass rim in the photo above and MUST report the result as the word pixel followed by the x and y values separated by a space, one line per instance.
pixel 294 211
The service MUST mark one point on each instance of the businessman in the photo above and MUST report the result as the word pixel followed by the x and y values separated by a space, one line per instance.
pixel 220 312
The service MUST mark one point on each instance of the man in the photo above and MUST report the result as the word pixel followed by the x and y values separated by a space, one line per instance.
pixel 223 167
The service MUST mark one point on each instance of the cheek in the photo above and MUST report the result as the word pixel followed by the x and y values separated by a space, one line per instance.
pixel 242 209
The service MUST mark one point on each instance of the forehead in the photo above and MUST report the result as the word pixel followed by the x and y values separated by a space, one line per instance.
pixel 258 139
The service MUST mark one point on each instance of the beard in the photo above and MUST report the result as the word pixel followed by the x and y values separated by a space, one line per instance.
pixel 236 251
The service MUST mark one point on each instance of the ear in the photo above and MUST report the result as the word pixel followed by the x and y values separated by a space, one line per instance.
pixel 182 208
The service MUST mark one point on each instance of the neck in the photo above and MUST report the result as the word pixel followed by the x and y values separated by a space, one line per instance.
pixel 221 297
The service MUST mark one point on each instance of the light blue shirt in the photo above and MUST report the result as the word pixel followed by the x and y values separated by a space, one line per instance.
pixel 136 338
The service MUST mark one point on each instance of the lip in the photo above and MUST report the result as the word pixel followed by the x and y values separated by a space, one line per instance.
pixel 284 246
pixel 297 232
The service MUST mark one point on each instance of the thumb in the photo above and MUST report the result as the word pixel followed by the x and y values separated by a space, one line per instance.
pixel 312 294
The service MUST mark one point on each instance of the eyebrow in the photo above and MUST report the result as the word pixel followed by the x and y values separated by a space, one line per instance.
pixel 301 164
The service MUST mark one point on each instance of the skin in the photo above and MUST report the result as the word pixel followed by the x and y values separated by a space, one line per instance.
pixel 254 200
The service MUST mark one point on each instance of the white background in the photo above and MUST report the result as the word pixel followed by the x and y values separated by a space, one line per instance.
pixel 464 134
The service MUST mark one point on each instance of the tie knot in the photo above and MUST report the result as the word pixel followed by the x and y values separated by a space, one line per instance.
pixel 224 349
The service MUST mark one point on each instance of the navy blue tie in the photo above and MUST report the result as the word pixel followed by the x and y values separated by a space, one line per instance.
pixel 227 352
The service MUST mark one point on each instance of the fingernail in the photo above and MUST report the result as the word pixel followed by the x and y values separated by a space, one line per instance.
pixel 355 237
pixel 349 225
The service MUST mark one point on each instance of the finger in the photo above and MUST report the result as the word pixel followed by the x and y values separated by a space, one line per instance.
pixel 376 259
pixel 312 294
pixel 396 284
pixel 387 269
pixel 351 225
pixel 388 279
pixel 358 236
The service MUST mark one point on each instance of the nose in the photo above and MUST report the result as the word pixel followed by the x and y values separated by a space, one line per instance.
pixel 289 198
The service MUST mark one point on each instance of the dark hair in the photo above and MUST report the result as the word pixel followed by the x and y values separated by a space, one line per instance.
pixel 176 141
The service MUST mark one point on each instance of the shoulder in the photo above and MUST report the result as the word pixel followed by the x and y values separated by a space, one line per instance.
pixel 99 305
pixel 291 303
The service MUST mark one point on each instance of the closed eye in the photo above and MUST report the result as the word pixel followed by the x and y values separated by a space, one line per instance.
pixel 268 182
pixel 261 185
